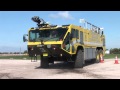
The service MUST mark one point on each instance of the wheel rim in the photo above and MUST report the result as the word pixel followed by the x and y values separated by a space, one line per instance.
pixel 101 54
pixel 97 57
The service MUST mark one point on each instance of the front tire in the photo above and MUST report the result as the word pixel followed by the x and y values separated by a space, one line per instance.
pixel 44 62
pixel 79 59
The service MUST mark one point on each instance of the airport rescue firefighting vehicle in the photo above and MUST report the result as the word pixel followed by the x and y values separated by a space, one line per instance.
pixel 71 43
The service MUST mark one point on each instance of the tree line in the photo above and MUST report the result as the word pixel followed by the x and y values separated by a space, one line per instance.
pixel 115 51
pixel 14 52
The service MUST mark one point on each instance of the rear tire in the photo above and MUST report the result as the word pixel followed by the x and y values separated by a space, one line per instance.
pixel 79 59
pixel 44 62
pixel 98 54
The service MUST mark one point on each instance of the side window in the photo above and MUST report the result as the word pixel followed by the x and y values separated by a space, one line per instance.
pixel 103 41
pixel 75 33
pixel 81 37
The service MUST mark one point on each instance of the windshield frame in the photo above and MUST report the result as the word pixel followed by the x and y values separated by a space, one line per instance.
pixel 61 31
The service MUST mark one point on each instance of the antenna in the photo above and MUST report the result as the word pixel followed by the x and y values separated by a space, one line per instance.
pixel 20 50
pixel 83 22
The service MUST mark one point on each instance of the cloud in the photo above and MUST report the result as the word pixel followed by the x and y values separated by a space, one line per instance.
pixel 62 14
pixel 48 22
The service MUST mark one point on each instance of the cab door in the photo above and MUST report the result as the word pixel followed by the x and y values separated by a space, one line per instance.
pixel 66 42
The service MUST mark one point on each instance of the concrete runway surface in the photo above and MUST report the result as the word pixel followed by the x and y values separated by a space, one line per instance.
pixel 25 69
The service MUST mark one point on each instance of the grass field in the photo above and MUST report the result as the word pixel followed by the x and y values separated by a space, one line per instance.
pixel 25 57
pixel 109 56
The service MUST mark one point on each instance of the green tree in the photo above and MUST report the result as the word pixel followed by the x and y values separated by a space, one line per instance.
pixel 115 51
pixel 25 52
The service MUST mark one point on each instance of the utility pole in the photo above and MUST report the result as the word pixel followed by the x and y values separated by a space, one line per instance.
pixel 20 50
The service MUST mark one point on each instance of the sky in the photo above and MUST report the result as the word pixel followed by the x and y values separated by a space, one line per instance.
pixel 14 24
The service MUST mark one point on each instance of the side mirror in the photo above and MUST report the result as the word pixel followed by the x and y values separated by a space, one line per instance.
pixel 24 38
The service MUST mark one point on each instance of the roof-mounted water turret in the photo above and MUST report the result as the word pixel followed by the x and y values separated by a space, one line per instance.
pixel 40 22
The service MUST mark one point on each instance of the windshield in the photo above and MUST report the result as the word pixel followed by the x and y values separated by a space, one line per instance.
pixel 47 35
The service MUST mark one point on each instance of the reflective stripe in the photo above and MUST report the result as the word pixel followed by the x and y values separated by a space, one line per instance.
pixel 90 43
pixel 93 43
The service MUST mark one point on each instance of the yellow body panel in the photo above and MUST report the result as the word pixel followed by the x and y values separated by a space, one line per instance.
pixel 91 39
pixel 52 42
pixel 45 54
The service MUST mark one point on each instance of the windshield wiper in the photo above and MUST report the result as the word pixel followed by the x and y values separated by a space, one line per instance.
pixel 50 38
pixel 45 40
pixel 42 40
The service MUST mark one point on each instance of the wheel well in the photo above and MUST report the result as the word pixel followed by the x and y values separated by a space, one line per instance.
pixel 98 48
pixel 80 48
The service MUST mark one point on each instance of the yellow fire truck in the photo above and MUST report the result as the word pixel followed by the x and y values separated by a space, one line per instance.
pixel 71 43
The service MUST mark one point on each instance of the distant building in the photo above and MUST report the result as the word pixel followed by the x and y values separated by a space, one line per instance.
pixel 107 52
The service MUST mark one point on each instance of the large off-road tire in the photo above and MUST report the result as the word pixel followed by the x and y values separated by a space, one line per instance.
pixel 51 60
pixel 98 54
pixel 79 59
pixel 44 62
